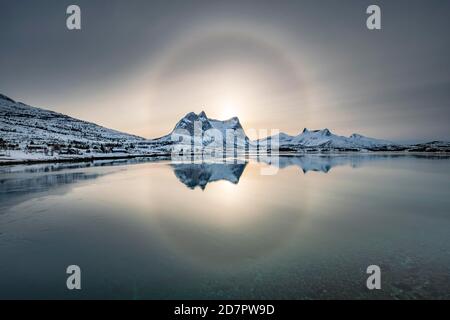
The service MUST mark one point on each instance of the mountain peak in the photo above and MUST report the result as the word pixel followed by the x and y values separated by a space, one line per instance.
pixel 192 122
pixel 190 116
pixel 323 132
pixel 235 120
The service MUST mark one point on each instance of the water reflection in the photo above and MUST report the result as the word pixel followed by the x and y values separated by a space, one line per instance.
pixel 324 163
pixel 200 174
pixel 23 182
pixel 222 230
pixel 23 185
pixel 28 179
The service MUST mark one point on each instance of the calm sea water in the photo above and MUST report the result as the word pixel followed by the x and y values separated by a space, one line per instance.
pixel 163 230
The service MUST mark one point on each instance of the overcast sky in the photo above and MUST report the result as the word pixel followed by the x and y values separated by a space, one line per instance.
pixel 138 66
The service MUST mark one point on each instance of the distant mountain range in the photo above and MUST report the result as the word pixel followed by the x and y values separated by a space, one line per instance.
pixel 33 134
pixel 324 139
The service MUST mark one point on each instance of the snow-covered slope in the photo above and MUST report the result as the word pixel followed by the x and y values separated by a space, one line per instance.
pixel 23 124
pixel 325 139
pixel 33 134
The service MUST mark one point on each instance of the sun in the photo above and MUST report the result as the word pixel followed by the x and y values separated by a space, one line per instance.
pixel 228 110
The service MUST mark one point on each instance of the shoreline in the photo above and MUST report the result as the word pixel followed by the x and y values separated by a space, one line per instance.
pixel 14 162
pixel 77 160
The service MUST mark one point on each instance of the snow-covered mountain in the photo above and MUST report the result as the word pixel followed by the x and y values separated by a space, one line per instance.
pixel 199 129
pixel 325 140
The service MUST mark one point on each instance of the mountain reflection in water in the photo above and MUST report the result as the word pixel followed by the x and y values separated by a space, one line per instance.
pixel 23 180
pixel 193 175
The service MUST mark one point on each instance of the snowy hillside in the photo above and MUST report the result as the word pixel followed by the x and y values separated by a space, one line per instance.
pixel 30 133
pixel 20 123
